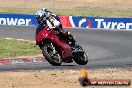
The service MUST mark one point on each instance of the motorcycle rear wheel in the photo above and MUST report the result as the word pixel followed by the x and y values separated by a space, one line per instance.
pixel 81 59
pixel 51 54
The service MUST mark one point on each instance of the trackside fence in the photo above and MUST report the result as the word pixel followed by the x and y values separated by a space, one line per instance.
pixel 70 21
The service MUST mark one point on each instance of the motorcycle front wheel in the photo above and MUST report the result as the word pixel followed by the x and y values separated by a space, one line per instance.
pixel 51 54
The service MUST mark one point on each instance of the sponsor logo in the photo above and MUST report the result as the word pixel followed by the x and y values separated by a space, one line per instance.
pixel 80 22
pixel 112 25
pixel 86 81
pixel 85 23
pixel 14 21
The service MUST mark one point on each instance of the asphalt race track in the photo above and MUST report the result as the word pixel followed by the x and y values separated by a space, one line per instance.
pixel 105 48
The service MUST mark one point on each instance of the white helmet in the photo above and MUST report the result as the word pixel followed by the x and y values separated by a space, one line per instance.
pixel 40 13
pixel 40 16
pixel 44 9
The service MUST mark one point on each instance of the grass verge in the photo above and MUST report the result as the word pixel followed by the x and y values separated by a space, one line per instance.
pixel 13 48
pixel 78 11
pixel 17 10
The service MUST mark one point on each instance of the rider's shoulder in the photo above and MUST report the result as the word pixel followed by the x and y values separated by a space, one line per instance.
pixel 40 26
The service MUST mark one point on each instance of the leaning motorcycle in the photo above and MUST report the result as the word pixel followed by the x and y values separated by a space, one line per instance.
pixel 55 49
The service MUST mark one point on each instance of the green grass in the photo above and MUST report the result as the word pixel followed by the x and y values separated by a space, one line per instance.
pixel 78 11
pixel 100 12
pixel 18 10
pixel 13 48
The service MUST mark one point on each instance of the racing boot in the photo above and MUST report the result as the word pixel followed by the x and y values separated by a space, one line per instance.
pixel 76 47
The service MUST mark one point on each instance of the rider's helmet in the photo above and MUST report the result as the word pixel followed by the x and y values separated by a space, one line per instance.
pixel 40 16
pixel 44 9
pixel 47 12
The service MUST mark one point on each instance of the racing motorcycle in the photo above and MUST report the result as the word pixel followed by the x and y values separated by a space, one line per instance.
pixel 56 50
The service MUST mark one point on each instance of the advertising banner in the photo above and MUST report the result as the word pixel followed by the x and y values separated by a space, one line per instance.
pixel 100 22
pixel 17 19
pixel 70 21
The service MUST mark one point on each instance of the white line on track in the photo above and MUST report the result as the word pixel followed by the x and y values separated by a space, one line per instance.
pixel 19 40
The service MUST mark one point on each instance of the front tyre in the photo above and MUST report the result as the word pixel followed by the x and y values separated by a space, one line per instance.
pixel 51 54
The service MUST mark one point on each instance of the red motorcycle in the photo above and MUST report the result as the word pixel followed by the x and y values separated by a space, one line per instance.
pixel 56 50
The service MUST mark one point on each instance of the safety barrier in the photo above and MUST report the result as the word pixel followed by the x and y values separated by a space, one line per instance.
pixel 70 21
pixel 97 22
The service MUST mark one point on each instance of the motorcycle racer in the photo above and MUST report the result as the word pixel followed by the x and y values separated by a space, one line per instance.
pixel 45 17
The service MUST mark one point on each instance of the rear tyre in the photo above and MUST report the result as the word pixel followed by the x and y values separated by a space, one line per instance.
pixel 51 54
pixel 81 58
